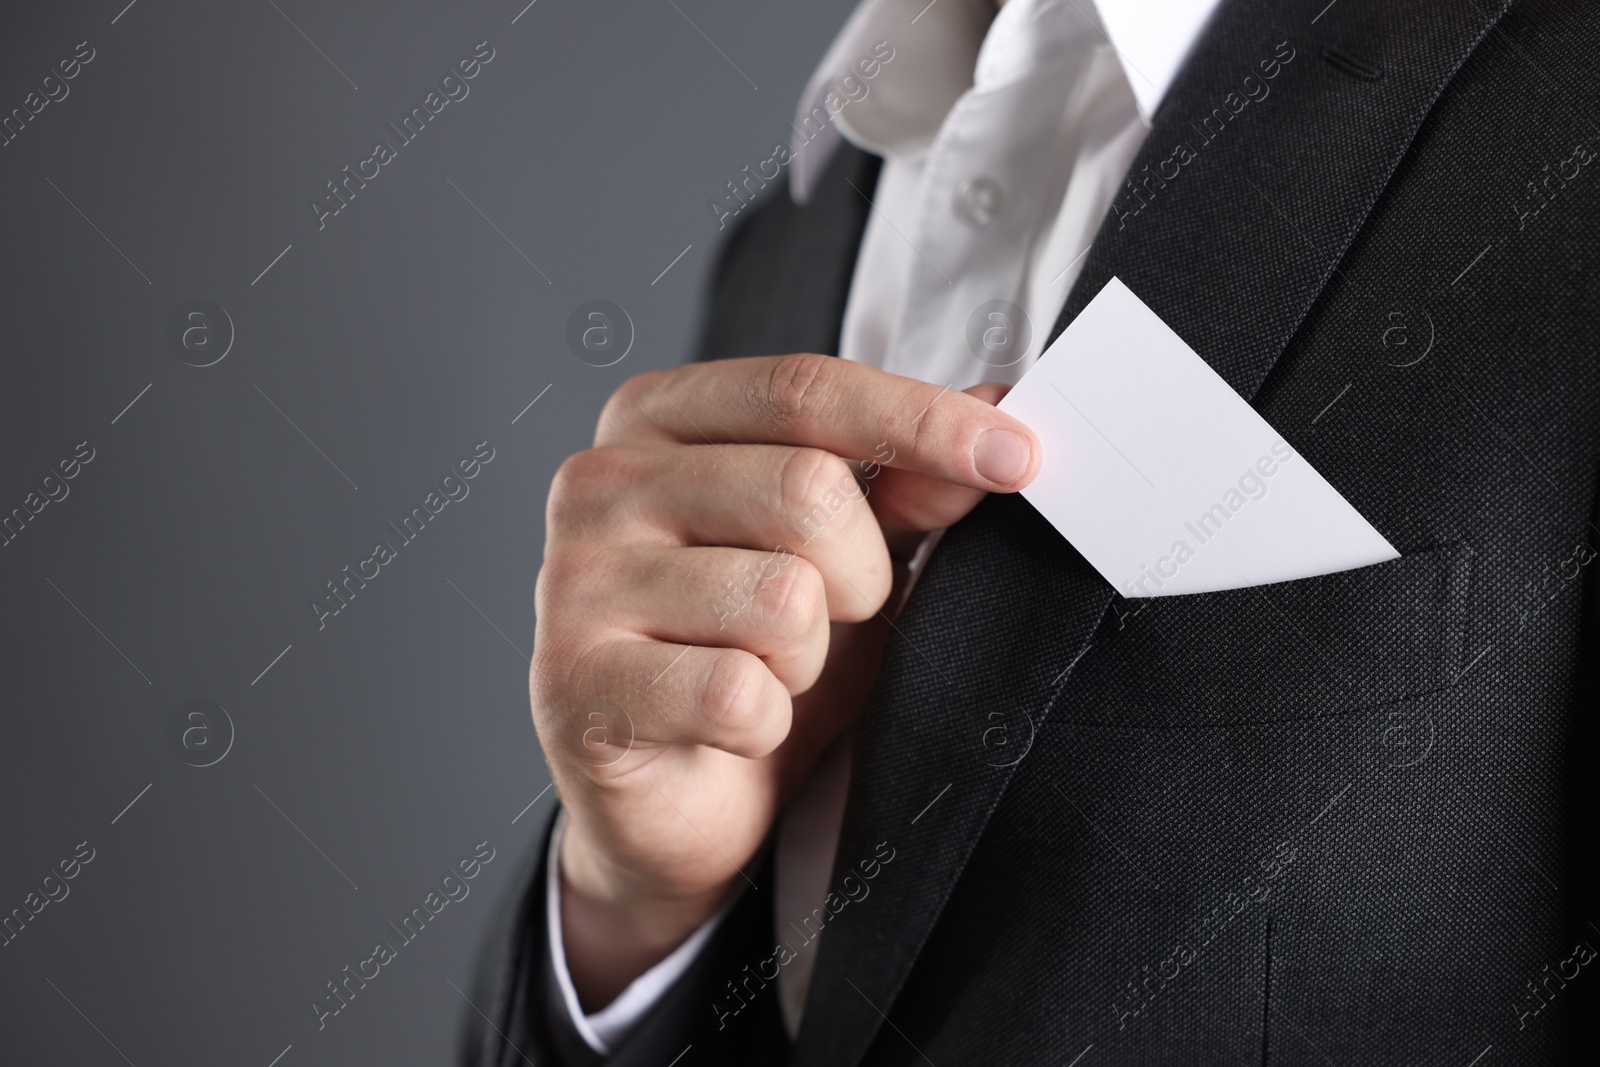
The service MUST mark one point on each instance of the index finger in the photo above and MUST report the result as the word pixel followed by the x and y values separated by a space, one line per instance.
pixel 814 401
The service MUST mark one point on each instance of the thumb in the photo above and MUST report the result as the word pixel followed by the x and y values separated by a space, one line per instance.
pixel 909 504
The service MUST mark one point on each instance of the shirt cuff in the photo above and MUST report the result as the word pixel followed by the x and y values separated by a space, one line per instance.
pixel 611 1025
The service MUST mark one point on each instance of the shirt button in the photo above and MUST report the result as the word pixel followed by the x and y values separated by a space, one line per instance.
pixel 978 200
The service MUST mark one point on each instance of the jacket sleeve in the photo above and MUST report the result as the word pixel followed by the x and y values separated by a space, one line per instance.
pixel 719 1004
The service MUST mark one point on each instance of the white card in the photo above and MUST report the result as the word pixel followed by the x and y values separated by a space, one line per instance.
pixel 1162 476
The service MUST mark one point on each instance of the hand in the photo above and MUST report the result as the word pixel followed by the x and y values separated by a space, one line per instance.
pixel 709 616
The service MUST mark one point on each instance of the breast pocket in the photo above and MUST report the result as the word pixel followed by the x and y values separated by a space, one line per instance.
pixel 1292 650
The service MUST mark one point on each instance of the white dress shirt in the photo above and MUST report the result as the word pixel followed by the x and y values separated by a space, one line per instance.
pixel 1005 137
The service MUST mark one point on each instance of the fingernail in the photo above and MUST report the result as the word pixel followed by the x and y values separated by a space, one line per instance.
pixel 1002 456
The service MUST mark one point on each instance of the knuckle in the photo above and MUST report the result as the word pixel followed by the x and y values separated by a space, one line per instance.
pixel 732 698
pixel 909 426
pixel 544 670
pixel 796 599
pixel 804 484
pixel 550 676
pixel 582 485
pixel 566 487
pixel 563 665
pixel 803 470
pixel 921 423
pixel 566 672
pixel 798 388
pixel 561 580
pixel 629 403
pixel 547 587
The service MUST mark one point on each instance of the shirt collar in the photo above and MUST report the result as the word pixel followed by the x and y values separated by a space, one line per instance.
pixel 938 51
pixel 1152 39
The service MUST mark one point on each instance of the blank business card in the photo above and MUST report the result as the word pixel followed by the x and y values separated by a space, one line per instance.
pixel 1162 476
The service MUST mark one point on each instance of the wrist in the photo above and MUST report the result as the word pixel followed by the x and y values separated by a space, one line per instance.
pixel 617 925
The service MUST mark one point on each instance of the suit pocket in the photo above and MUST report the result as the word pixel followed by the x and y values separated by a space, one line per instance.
pixel 1291 650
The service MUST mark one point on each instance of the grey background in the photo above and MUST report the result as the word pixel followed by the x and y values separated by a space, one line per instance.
pixel 396 338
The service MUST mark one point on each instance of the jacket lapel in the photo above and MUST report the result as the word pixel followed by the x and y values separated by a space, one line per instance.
pixel 783 277
pixel 1237 212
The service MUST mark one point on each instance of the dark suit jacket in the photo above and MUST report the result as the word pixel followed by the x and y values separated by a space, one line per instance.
pixel 1341 820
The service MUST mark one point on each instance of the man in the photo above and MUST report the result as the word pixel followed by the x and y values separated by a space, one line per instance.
pixel 1331 820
